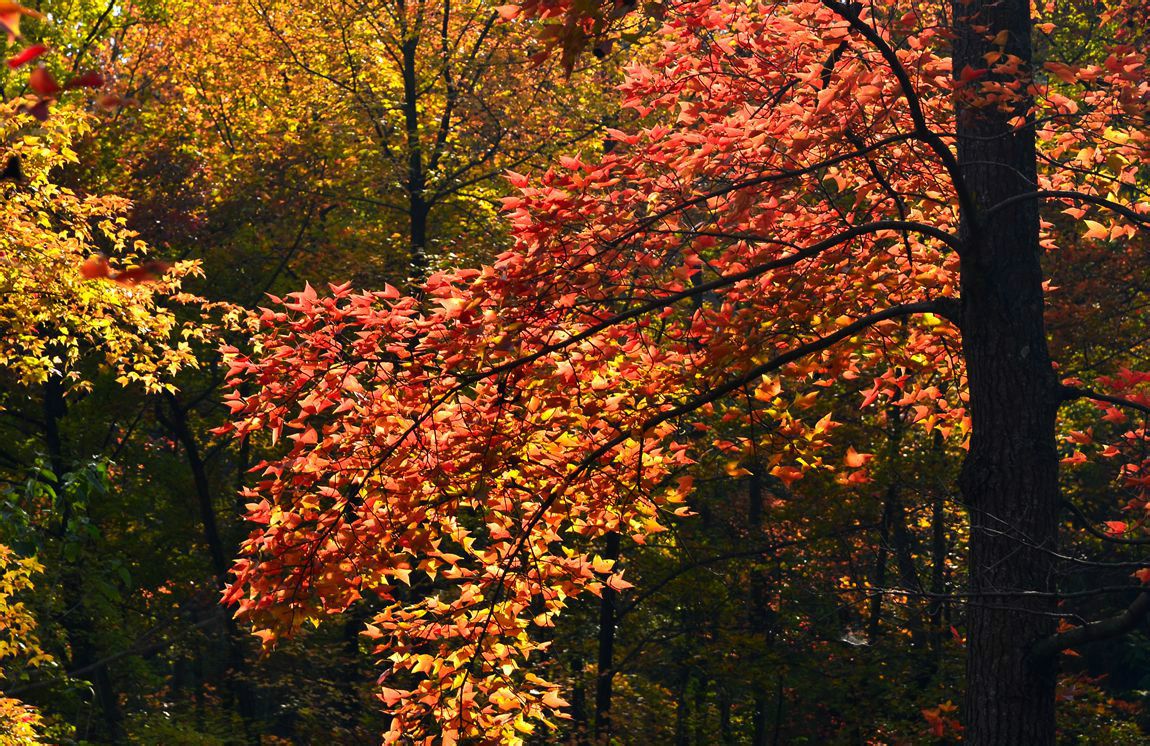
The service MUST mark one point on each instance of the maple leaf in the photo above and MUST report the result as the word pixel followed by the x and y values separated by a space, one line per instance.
pixel 1116 527
pixel 855 460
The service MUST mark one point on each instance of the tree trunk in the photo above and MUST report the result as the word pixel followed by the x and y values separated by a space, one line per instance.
pixel 236 660
pixel 1010 478
pixel 578 703
pixel 606 671
pixel 416 179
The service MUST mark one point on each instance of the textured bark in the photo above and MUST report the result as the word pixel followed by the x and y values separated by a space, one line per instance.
pixel 1010 477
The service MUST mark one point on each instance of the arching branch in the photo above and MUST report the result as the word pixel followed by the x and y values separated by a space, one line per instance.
pixel 1103 629
pixel 1142 221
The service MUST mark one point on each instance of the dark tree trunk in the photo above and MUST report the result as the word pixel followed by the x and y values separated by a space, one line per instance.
pixel 1010 478
pixel 938 552
pixel 681 714
pixel 578 703
pixel 178 425
pixel 700 724
pixel 726 734
pixel 416 186
pixel 606 671
pixel 236 660
pixel 878 577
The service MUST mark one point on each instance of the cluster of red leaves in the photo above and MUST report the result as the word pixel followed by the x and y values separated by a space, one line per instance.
pixel 784 221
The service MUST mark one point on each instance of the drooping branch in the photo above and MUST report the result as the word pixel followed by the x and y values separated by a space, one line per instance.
pixel 943 307
pixel 1142 221
pixel 770 178
pixel 1103 629
pixel 735 384
pixel 694 404
pixel 849 13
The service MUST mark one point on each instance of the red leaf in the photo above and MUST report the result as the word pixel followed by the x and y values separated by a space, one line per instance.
pixel 27 55
pixel 970 74
pixel 90 79
pixel 111 101
pixel 42 82
pixel 149 271
pixel 1116 527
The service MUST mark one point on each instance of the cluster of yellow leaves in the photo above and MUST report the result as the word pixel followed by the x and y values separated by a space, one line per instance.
pixel 51 316
pixel 19 723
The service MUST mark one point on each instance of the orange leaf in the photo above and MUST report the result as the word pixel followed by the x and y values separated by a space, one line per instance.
pixel 94 267
pixel 1097 230
pixel 1116 527
pixel 854 459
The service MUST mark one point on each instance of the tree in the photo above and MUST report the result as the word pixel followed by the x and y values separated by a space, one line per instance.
pixel 821 186
pixel 371 133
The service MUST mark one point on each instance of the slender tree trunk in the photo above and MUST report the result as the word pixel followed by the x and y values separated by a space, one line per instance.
pixel 606 671
pixel 1010 478
pixel 726 734
pixel 759 721
pixel 578 703
pixel 418 208
pixel 236 660
pixel 761 616
pixel 938 552
pixel 178 424
pixel 681 713
pixel 699 726
pixel 878 576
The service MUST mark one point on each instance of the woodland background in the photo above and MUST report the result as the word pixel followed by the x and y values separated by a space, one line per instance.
pixel 260 146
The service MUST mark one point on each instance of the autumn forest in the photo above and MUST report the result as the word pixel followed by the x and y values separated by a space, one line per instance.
pixel 576 372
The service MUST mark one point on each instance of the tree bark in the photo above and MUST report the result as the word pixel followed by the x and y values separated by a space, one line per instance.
pixel 1010 477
